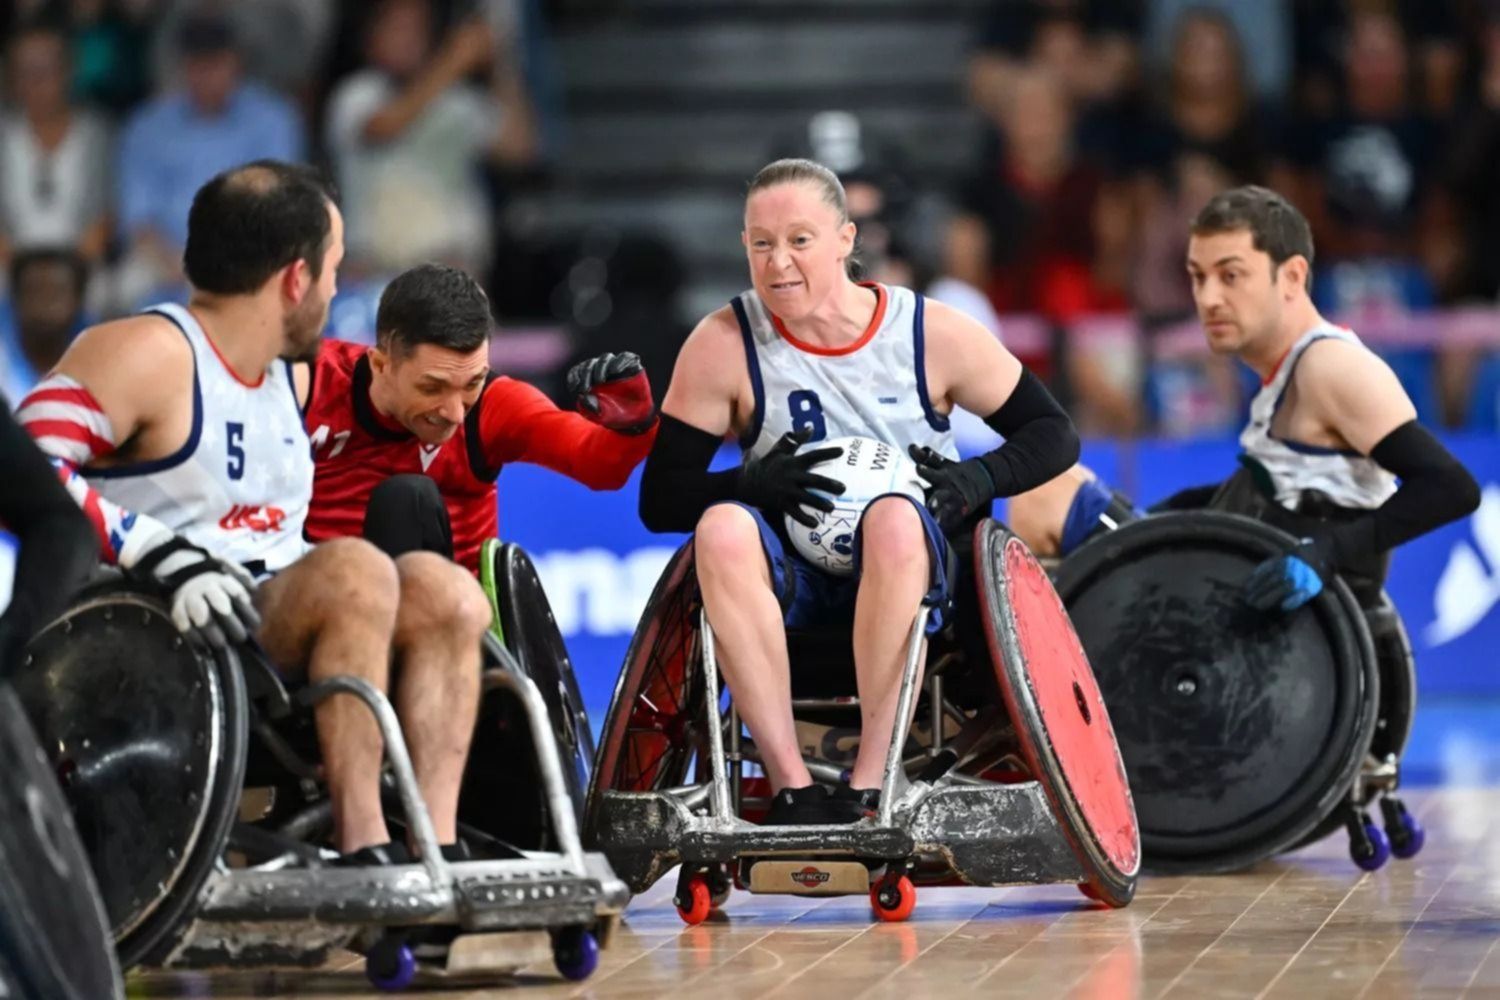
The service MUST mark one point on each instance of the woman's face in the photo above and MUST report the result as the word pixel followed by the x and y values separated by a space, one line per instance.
pixel 796 245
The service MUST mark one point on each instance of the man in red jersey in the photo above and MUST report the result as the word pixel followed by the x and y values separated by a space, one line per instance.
pixel 408 436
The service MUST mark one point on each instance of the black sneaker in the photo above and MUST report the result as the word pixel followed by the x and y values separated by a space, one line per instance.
pixel 861 802
pixel 374 856
pixel 810 805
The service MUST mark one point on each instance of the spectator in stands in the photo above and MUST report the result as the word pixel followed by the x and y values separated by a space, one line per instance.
pixel 111 40
pixel 283 42
pixel 409 134
pixel 1043 231
pixel 1088 45
pixel 178 141
pixel 1038 227
pixel 1365 174
pixel 45 313
pixel 1322 30
pixel 1203 134
pixel 1264 27
pixel 54 157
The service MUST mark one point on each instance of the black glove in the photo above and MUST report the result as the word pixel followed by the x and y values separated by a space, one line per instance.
pixel 1286 582
pixel 780 479
pixel 958 488
pixel 612 390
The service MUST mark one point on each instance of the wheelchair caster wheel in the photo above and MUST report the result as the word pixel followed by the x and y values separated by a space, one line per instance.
pixel 1087 888
pixel 718 888
pixel 1406 835
pixel 693 900
pixel 390 965
pixel 575 952
pixel 893 898
pixel 1368 845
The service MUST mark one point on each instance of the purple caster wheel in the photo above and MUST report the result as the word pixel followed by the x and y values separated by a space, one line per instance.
pixel 1368 845
pixel 575 952
pixel 390 965
pixel 1406 835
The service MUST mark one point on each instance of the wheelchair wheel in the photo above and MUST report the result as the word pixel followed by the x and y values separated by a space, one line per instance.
pixel 148 739
pixel 532 636
pixel 54 943
pixel 501 797
pixel 1241 732
pixel 1058 713
pixel 652 726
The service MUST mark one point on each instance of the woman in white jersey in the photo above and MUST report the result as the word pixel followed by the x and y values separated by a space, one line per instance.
pixel 1330 432
pixel 806 355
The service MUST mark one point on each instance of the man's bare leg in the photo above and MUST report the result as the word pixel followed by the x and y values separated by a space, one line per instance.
pixel 333 613
pixel 751 639
pixel 1037 516
pixel 895 573
pixel 442 615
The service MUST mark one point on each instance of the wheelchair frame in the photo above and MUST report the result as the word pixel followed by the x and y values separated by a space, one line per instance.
pixel 936 827
pixel 275 913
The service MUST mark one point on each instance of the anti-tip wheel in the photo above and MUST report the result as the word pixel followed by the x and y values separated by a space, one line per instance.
pixel 575 952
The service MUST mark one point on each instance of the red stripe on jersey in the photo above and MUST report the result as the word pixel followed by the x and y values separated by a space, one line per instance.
pixel 70 431
pixel 75 397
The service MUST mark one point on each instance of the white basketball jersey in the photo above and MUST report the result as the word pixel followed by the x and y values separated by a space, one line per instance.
pixel 1345 477
pixel 241 484
pixel 876 387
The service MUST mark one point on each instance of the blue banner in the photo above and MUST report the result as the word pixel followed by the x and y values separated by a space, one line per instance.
pixel 599 564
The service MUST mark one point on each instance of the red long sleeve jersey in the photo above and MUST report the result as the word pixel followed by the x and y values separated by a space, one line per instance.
pixel 355 449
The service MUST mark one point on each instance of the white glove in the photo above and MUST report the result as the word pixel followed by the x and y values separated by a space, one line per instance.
pixel 210 598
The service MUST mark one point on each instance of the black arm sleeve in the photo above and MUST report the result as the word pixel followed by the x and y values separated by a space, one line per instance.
pixel 58 546
pixel 1435 489
pixel 676 486
pixel 1040 440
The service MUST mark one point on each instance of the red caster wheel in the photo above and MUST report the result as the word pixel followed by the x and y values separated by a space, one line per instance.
pixel 1087 888
pixel 693 900
pixel 893 898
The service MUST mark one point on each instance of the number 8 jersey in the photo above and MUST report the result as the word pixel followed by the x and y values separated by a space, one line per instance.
pixel 876 387
pixel 240 485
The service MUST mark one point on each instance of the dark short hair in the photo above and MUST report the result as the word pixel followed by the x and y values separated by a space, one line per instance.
pixel 432 304
pixel 24 260
pixel 1275 226
pixel 253 220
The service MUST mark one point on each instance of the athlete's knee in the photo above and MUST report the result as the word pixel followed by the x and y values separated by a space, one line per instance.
pixel 892 535
pixel 440 597
pixel 356 580
pixel 1038 515
pixel 727 539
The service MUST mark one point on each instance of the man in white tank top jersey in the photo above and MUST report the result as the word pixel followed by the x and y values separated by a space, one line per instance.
pixel 1330 434
pixel 809 355
pixel 179 433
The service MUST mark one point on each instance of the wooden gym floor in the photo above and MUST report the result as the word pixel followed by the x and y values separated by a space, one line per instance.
pixel 1307 925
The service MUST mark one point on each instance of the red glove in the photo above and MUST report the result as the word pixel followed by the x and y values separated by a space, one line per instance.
pixel 612 390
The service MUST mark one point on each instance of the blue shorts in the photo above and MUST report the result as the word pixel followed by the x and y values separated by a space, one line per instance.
pixel 809 596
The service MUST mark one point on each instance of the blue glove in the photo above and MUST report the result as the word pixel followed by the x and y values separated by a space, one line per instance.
pixel 1285 583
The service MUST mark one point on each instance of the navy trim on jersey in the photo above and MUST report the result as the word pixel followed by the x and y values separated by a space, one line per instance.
pixel 291 388
pixel 935 420
pixel 752 361
pixel 479 466
pixel 1297 446
pixel 364 410
pixel 181 454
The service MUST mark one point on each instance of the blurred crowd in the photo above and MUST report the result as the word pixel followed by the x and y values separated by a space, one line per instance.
pixel 1106 124
pixel 116 112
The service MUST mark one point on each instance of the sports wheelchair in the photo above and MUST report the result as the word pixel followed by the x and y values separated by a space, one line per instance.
pixel 1244 735
pixel 194 784
pixel 1011 774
